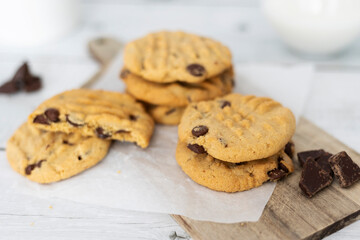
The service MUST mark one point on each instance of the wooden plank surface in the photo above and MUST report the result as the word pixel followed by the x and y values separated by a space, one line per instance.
pixel 289 214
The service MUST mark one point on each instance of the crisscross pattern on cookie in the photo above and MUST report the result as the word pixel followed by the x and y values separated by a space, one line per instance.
pixel 176 56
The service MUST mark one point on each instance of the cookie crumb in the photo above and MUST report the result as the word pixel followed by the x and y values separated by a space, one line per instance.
pixel 50 207
pixel 32 224
pixel 118 171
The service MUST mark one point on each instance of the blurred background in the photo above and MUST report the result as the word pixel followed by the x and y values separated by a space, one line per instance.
pixel 315 30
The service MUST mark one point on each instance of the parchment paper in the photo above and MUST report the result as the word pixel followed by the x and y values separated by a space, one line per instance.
pixel 151 181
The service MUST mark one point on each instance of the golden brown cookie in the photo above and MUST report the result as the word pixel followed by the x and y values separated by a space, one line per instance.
pixel 165 115
pixel 237 128
pixel 176 56
pixel 47 157
pixel 178 94
pixel 231 177
pixel 107 115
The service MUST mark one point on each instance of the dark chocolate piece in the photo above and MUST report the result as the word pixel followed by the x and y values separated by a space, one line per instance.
pixel 196 148
pixel 132 117
pixel 22 80
pixel 101 134
pixel 302 156
pixel 199 130
pixel 345 169
pixel 324 163
pixel 52 114
pixel 31 167
pixel 9 87
pixel 313 178
pixel 225 103
pixel 196 70
pixel 290 149
pixel 41 119
pixel 32 84
pixel 122 131
pixel 276 174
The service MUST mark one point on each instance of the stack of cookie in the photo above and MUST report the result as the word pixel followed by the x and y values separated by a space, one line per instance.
pixel 236 142
pixel 169 70
pixel 72 131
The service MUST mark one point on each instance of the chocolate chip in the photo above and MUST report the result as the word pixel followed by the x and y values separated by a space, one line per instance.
pixel 100 133
pixel 282 167
pixel 196 70
pixel 41 119
pixel 21 74
pixel 302 156
pixel 345 169
pixel 79 158
pixel 196 148
pixel 239 163
pixel 124 73
pixel 9 87
pixel 122 131
pixel 199 130
pixel 276 174
pixel 73 123
pixel 313 178
pixel 290 149
pixel 67 143
pixel 31 167
pixel 225 103
pixel 52 114
pixel 170 111
pixel 132 117
pixel 32 84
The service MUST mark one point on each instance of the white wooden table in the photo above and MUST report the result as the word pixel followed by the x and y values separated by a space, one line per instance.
pixel 333 104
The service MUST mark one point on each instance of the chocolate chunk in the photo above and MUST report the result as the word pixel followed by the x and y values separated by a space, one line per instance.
pixel 276 174
pixel 132 117
pixel 101 134
pixel 79 158
pixel 302 156
pixel 31 167
pixel 52 114
pixel 345 169
pixel 21 80
pixel 41 119
pixel 67 143
pixel 290 149
pixel 282 167
pixel 196 70
pixel 313 178
pixel 170 111
pixel 9 87
pixel 122 131
pixel 225 103
pixel 324 163
pixel 73 123
pixel 196 148
pixel 124 73
pixel 32 84
pixel 199 130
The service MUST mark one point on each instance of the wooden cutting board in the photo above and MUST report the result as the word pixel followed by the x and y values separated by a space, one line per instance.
pixel 288 214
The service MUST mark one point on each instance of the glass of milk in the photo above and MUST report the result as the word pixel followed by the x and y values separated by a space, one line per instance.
pixel 25 23
pixel 315 28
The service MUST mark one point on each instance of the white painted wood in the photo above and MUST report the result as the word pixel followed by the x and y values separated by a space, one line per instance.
pixel 333 104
